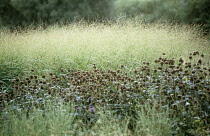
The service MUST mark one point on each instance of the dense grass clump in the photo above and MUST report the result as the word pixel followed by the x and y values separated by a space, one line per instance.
pixel 78 46
pixel 65 82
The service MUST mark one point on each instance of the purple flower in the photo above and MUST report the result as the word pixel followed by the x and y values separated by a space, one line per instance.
pixel 92 109
pixel 78 108
pixel 61 100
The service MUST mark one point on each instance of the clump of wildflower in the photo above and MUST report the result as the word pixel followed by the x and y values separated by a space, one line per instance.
pixel 92 109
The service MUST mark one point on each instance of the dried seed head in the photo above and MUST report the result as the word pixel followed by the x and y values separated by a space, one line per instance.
pixel 199 61
pixel 181 60
pixel 197 52
pixel 42 87
pixel 118 71
pixel 27 78
pixel 171 66
pixel 31 77
pixel 94 66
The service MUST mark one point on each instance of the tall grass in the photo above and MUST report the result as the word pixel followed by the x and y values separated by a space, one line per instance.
pixel 61 120
pixel 80 45
pixel 50 121
pixel 42 70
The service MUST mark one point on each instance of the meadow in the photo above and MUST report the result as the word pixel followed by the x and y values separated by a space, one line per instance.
pixel 118 78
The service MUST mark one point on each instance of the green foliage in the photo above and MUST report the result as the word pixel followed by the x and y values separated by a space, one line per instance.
pixel 147 9
pixel 182 11
pixel 10 16
pixel 198 12
pixel 20 12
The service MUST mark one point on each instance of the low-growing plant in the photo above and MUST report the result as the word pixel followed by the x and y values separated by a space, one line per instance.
pixel 179 86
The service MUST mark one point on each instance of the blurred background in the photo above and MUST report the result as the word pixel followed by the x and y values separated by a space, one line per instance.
pixel 21 13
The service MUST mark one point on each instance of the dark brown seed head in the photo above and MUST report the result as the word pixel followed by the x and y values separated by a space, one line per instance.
pixel 118 71
pixel 42 87
pixel 27 78
pixel 199 61
pixel 181 60
pixel 31 77
pixel 197 52
pixel 17 80
pixel 171 66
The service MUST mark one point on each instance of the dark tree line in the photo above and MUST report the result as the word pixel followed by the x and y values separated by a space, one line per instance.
pixel 9 15
pixel 26 12
pixel 199 13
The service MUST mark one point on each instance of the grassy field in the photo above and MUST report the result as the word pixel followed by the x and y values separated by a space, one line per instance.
pixel 125 78
pixel 78 46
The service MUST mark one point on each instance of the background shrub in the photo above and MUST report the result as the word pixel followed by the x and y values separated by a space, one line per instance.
pixel 178 11
pixel 20 12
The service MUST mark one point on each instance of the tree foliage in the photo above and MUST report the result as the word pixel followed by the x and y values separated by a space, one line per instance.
pixel 17 12
pixel 22 12
pixel 199 12
pixel 182 11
